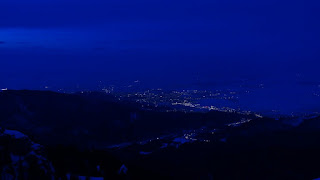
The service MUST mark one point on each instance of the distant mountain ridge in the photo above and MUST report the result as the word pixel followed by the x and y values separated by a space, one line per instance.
pixel 93 119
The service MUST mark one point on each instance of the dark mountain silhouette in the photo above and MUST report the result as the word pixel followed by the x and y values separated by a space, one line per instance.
pixel 75 130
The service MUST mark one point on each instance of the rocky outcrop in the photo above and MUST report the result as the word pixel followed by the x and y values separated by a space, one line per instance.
pixel 21 158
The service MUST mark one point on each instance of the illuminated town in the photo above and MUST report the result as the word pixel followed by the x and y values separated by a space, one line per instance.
pixel 183 100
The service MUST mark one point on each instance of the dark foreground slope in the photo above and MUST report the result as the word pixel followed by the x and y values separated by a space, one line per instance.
pixel 265 149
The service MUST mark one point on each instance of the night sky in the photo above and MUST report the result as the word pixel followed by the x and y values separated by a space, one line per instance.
pixel 162 43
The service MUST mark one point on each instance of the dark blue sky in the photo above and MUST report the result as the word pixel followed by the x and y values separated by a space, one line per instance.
pixel 164 43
